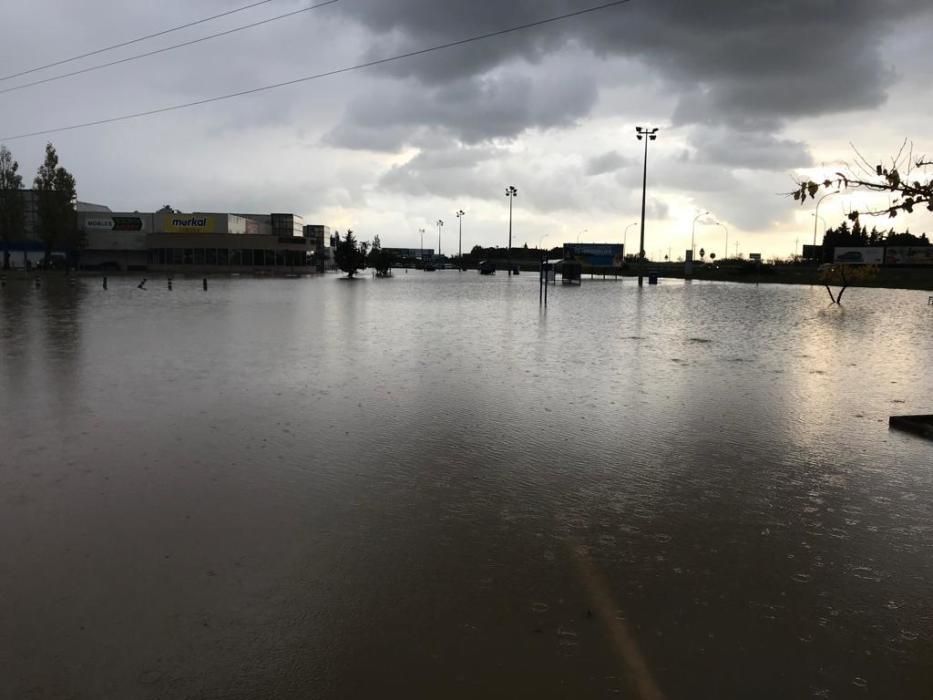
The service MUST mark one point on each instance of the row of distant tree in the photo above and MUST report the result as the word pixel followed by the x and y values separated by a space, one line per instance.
pixel 857 235
pixel 57 197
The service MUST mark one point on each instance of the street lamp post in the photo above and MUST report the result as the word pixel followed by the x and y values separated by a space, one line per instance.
pixel 460 215
pixel 726 229
pixel 816 215
pixel 625 238
pixel 421 231
pixel 644 134
pixel 581 233
pixel 693 231
pixel 440 225
pixel 511 193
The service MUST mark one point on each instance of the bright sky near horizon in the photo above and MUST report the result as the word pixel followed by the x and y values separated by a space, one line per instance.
pixel 746 96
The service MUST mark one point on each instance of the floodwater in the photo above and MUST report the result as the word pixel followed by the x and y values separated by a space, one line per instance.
pixel 428 487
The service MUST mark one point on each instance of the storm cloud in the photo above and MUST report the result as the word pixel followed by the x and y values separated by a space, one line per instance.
pixel 745 93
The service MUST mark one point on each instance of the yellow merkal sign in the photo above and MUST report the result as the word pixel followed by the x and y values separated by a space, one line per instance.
pixel 186 223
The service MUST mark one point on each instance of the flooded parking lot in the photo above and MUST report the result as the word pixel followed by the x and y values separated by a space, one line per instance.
pixel 427 486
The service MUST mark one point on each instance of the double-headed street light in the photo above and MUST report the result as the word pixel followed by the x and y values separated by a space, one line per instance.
pixel 440 225
pixel 421 231
pixel 460 215
pixel 645 134
pixel 511 193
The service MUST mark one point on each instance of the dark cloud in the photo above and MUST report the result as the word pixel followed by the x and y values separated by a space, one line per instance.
pixel 748 150
pixel 746 63
pixel 470 109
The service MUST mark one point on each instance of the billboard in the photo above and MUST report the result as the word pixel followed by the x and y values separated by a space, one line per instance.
pixel 190 223
pixel 596 254
pixel 859 256
pixel 913 255
pixel 812 252
pixel 114 222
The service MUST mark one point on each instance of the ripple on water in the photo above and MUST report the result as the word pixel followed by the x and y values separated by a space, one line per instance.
pixel 802 578
pixel 866 574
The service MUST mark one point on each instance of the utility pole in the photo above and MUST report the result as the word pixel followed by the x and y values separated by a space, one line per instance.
pixel 511 193
pixel 644 134
pixel 460 215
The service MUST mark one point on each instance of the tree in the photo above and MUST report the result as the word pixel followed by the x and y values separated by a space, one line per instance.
pixel 843 276
pixel 349 255
pixel 702 253
pixel 380 259
pixel 57 197
pixel 712 256
pixel 12 213
pixel 907 180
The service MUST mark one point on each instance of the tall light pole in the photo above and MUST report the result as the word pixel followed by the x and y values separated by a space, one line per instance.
pixel 816 214
pixel 440 225
pixel 693 231
pixel 625 238
pixel 421 231
pixel 581 233
pixel 817 218
pixel 511 193
pixel 726 229
pixel 644 134
pixel 460 215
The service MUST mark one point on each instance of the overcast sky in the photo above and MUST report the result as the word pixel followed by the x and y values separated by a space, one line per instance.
pixel 746 95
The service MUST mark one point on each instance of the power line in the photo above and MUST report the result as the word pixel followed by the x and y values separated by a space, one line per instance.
pixel 136 40
pixel 165 49
pixel 318 76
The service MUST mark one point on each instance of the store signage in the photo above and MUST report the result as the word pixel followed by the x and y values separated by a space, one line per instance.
pixel 188 223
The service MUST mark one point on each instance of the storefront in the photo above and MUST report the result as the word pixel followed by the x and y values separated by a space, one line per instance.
pixel 231 252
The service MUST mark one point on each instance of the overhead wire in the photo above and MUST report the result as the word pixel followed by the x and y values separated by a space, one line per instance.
pixel 166 49
pixel 326 74
pixel 137 40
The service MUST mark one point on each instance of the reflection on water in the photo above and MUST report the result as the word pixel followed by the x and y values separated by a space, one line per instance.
pixel 427 486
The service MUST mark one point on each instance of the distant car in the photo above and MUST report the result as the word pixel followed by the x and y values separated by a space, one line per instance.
pixel 851 256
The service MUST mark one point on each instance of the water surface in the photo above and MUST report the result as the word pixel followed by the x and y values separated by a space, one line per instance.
pixel 429 487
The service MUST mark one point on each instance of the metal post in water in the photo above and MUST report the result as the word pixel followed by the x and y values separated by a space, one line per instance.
pixel 541 274
pixel 205 284
pixel 105 282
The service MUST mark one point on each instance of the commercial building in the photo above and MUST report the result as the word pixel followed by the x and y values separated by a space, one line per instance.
pixel 115 240
pixel 287 225
pixel 168 240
